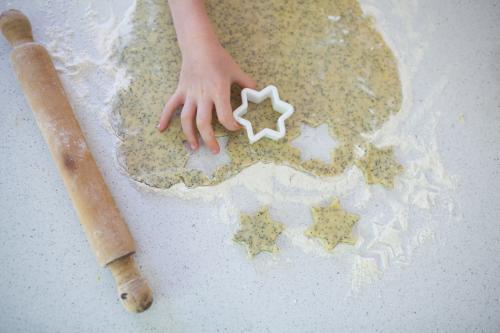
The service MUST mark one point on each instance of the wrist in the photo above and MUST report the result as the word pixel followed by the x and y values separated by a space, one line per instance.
pixel 199 45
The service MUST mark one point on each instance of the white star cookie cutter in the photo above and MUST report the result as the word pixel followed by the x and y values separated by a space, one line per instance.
pixel 257 97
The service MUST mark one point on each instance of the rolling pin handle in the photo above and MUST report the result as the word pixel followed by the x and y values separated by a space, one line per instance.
pixel 133 290
pixel 16 27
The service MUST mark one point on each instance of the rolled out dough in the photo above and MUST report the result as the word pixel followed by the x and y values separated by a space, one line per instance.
pixel 325 57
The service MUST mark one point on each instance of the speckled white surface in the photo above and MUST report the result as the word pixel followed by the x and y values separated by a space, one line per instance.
pixel 50 282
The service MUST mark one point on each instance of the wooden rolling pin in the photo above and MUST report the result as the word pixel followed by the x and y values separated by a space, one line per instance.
pixel 106 231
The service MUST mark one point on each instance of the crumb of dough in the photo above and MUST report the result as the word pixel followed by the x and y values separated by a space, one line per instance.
pixel 379 166
pixel 258 233
pixel 332 225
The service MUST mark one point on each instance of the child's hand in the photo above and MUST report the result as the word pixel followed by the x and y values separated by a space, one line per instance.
pixel 206 76
pixel 205 82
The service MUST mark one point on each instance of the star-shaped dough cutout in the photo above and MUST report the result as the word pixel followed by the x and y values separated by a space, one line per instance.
pixel 257 97
pixel 258 233
pixel 315 143
pixel 332 225
pixel 379 166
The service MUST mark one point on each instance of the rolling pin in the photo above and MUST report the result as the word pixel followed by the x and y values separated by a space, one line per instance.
pixel 104 227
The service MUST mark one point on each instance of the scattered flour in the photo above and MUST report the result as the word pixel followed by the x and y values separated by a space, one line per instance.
pixel 393 222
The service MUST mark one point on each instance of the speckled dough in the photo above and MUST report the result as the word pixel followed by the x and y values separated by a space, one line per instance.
pixel 379 166
pixel 332 225
pixel 258 233
pixel 325 57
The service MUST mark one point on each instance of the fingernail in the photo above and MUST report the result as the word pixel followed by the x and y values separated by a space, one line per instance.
pixel 158 126
pixel 215 151
pixel 193 146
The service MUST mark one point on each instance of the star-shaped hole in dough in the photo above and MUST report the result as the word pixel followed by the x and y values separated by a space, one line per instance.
pixel 379 166
pixel 315 143
pixel 205 161
pixel 332 225
pixel 258 233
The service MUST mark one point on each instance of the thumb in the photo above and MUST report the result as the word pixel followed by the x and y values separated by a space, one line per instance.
pixel 244 80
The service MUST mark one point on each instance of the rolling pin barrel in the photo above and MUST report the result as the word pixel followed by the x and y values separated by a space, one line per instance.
pixel 104 227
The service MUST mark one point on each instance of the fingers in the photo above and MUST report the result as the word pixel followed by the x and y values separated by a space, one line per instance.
pixel 172 104
pixel 224 110
pixel 244 80
pixel 204 124
pixel 188 115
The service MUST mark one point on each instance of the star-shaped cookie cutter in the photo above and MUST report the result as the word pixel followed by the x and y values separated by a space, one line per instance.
pixel 257 97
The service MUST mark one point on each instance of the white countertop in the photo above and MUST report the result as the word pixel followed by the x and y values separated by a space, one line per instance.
pixel 50 281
